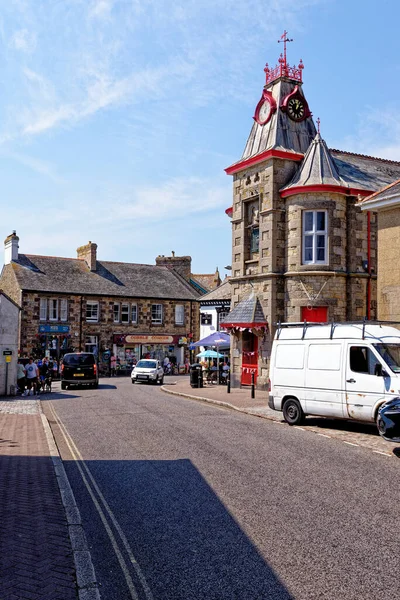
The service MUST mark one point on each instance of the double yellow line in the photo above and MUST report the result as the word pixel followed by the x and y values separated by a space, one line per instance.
pixel 106 515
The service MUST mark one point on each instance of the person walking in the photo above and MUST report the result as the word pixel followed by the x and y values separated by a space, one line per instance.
pixel 32 376
pixel 113 365
pixel 21 377
pixel 55 369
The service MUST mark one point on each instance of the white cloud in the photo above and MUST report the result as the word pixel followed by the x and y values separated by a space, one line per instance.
pixel 101 8
pixel 24 40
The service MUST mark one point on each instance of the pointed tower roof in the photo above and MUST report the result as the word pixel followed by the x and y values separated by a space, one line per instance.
pixel 318 169
pixel 277 134
pixel 247 314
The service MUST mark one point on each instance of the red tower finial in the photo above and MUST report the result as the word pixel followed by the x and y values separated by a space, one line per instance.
pixel 267 72
pixel 284 39
pixel 318 123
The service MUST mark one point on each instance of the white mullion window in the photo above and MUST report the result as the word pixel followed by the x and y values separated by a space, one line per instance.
pixel 53 309
pixel 63 309
pixel 43 309
pixel 315 237
pixel 125 313
pixel 179 314
pixel 134 313
pixel 156 314
pixel 92 311
pixel 117 312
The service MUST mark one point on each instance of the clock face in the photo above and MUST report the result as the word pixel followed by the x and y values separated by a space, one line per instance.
pixel 296 109
pixel 265 112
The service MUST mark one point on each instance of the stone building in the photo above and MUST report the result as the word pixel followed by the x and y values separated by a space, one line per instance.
pixel 386 203
pixel 84 304
pixel 301 247
pixel 9 321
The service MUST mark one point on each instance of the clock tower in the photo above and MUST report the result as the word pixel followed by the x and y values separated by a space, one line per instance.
pixel 281 134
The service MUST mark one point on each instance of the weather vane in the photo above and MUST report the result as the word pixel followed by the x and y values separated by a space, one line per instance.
pixel 318 123
pixel 284 39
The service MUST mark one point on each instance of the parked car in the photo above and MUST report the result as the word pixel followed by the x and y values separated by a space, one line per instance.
pixel 388 420
pixel 148 370
pixel 342 370
pixel 79 368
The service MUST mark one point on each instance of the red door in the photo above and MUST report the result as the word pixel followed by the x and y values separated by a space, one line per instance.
pixel 249 358
pixel 315 314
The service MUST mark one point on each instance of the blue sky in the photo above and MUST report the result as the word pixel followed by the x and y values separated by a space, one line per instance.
pixel 118 117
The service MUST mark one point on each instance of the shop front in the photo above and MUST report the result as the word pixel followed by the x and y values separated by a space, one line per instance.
pixel 52 341
pixel 132 347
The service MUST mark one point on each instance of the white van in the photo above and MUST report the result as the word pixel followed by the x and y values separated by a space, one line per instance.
pixel 343 370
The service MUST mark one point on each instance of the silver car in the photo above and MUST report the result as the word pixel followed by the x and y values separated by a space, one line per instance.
pixel 148 370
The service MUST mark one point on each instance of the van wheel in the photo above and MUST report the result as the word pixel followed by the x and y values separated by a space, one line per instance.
pixel 292 412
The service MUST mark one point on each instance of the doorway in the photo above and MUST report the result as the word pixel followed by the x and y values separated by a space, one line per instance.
pixel 249 357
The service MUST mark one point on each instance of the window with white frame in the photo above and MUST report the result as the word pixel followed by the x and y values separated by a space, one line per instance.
pixel 92 311
pixel 134 313
pixel 63 309
pixel 91 344
pixel 156 314
pixel 125 313
pixel 315 237
pixel 43 309
pixel 116 312
pixel 179 314
pixel 53 309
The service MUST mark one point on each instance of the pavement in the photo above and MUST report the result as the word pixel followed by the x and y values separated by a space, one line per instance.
pixel 43 549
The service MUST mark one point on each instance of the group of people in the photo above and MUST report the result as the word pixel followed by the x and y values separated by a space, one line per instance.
pixel 35 376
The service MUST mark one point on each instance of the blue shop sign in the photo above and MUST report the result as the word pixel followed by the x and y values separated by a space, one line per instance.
pixel 53 328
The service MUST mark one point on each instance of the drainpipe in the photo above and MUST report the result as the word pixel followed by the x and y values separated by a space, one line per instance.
pixel 369 266
pixel 80 325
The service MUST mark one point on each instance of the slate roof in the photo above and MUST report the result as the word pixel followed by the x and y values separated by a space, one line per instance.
pixel 280 133
pixel 365 172
pixel 72 276
pixel 317 168
pixel 246 313
pixel 222 292
pixel 208 281
pixel 388 196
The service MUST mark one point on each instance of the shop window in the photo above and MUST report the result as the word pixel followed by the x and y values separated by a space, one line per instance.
pixel 64 309
pixel 156 314
pixel 53 309
pixel 92 311
pixel 116 312
pixel 315 237
pixel 125 313
pixel 221 316
pixel 134 313
pixel 206 319
pixel 43 309
pixel 179 314
pixel 91 344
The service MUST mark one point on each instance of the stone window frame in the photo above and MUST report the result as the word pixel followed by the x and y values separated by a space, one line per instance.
pixel 134 313
pixel 315 233
pixel 157 314
pixel 179 314
pixel 92 304
pixel 125 312
pixel 53 304
pixel 116 312
pixel 43 309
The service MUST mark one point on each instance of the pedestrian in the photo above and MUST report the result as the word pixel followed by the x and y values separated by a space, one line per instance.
pixel 43 372
pixel 55 369
pixel 32 376
pixel 21 377
pixel 113 365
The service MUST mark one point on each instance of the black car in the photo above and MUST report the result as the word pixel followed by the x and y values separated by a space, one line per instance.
pixel 79 368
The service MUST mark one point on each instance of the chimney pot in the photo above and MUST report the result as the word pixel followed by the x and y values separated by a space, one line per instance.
pixel 11 248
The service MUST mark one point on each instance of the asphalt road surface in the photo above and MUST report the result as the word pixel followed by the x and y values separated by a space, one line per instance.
pixel 181 500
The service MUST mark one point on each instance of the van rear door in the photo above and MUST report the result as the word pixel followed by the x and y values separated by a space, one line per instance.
pixel 363 387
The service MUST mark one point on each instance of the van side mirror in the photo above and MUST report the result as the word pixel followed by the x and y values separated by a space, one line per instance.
pixel 380 371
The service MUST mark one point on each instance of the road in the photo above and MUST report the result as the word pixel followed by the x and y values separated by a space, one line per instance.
pixel 181 500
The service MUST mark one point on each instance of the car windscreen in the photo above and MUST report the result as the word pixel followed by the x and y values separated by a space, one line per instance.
pixel 147 364
pixel 73 360
pixel 390 354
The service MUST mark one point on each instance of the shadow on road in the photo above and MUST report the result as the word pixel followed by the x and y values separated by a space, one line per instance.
pixel 182 536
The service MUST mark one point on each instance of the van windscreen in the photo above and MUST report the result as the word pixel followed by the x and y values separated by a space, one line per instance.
pixel 72 360
pixel 390 354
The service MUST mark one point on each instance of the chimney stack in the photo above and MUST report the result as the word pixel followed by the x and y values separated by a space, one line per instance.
pixel 11 248
pixel 88 253
pixel 180 264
